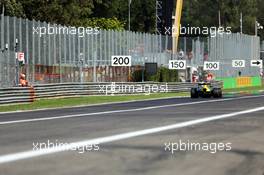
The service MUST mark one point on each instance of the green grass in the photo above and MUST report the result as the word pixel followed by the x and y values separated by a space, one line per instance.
pixel 245 89
pixel 85 100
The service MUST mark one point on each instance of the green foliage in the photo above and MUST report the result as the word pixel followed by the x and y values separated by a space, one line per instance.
pixel 114 14
pixel 105 23
pixel 143 13
pixel 12 8
pixel 69 13
pixel 163 75
pixel 137 76
pixel 100 13
pixel 167 75
pixel 260 15
pixel 205 13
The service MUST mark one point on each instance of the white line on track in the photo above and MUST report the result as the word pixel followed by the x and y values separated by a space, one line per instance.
pixel 31 154
pixel 120 111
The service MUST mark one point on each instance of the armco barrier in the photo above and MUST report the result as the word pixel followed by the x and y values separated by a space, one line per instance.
pixel 17 95
pixel 29 94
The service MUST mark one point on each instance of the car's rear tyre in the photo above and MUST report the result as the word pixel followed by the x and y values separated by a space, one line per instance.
pixel 194 93
pixel 217 93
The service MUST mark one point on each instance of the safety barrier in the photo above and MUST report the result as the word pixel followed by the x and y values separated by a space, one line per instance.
pixel 29 94
pixel 17 95
pixel 239 82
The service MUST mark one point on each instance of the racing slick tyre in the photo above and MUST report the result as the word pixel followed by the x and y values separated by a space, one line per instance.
pixel 194 93
pixel 217 93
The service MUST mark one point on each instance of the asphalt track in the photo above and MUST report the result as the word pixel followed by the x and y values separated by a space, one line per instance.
pixel 144 153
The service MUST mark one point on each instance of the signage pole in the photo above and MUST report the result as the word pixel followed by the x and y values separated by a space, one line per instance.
pixel 17 65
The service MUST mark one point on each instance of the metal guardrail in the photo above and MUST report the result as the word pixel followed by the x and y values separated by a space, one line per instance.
pixel 17 95
pixel 30 94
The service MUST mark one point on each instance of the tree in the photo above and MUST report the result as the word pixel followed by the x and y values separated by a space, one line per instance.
pixel 105 23
pixel 67 12
pixel 260 16
pixel 142 13
pixel 12 8
pixel 114 13
pixel 205 13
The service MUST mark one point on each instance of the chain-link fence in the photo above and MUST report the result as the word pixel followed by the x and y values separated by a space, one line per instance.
pixel 223 48
pixel 58 54
pixel 55 53
pixel 226 48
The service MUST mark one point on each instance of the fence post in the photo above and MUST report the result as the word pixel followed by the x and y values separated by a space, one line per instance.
pixel 94 67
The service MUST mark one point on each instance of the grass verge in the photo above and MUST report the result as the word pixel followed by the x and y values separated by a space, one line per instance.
pixel 85 100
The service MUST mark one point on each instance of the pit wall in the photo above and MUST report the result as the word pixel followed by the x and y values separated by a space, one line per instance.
pixel 240 82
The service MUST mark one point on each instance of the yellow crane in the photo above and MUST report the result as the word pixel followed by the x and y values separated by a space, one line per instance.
pixel 176 26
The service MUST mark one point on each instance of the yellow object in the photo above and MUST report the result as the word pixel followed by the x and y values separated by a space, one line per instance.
pixel 244 82
pixel 207 88
pixel 177 23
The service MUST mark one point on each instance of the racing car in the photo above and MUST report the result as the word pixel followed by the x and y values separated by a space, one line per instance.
pixel 206 90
